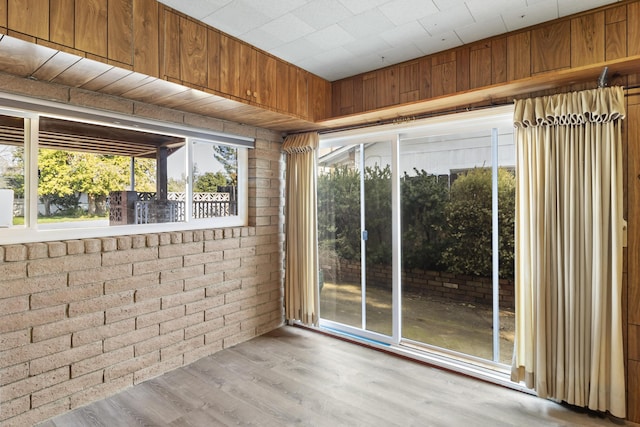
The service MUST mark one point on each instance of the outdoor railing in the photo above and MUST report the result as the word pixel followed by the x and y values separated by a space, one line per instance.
pixel 130 207
pixel 155 211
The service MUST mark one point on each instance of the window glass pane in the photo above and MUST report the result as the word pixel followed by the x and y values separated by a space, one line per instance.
pixel 506 222
pixel 446 242
pixel 215 180
pixel 12 171
pixel 93 175
pixel 339 249
pixel 378 242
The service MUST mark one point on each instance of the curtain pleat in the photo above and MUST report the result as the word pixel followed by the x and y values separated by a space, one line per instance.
pixel 568 340
pixel 301 259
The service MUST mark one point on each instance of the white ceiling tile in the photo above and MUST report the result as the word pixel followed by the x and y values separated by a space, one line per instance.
pixel 402 11
pixel 331 37
pixel 568 7
pixel 322 13
pixel 295 50
pixel 404 34
pixel 196 8
pixel 447 20
pixel 443 5
pixel 358 6
pixel 265 40
pixel 479 31
pixel 296 28
pixel 371 45
pixel 482 10
pixel 400 54
pixel 338 38
pixel 365 24
pixel 236 18
pixel 433 44
pixel 539 12
pixel 275 8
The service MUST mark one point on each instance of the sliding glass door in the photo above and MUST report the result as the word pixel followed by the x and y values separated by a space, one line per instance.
pixel 447 190
pixel 354 236
pixel 416 235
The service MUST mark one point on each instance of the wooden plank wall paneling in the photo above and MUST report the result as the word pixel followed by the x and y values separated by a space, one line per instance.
pixel 463 66
pixel 633 407
pixel 120 31
pixel 615 33
pixel 193 52
pixel 246 71
pixel 229 66
pixel 633 29
pixel 91 27
pixel 387 81
pixel 519 56
pixel 425 78
pixel 573 42
pixel 409 82
pixel 293 88
pixel 30 17
pixel 587 39
pixel 633 206
pixel 302 97
pixel 62 22
pixel 171 44
pixel 213 58
pixel 282 86
pixel 543 57
pixel 146 37
pixel 480 61
pixel 443 74
pixel 321 91
pixel 633 250
pixel 369 91
pixel 3 14
pixel 499 60
pixel 265 79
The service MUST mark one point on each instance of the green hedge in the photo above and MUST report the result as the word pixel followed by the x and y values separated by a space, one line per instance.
pixel 444 227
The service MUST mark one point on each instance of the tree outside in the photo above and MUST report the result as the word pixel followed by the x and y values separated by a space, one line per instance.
pixel 209 182
pixel 65 175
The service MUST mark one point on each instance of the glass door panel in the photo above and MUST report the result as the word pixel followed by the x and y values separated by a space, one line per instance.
pixel 339 241
pixel 416 237
pixel 447 242
pixel 354 236
pixel 377 238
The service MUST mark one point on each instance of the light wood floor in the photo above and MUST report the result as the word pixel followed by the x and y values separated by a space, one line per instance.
pixel 296 377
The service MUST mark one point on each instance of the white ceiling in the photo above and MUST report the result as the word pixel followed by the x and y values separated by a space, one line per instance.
pixel 339 38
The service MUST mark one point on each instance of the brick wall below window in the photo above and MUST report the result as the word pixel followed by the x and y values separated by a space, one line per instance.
pixel 84 319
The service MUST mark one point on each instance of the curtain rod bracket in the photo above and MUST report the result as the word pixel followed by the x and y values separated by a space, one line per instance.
pixel 602 80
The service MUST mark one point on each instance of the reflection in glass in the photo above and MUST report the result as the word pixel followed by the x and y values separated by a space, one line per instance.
pixel 446 197
pixel 12 171
pixel 215 180
pixel 339 228
pixel 378 243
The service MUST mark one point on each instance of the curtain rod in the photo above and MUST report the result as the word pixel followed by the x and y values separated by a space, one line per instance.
pixel 406 119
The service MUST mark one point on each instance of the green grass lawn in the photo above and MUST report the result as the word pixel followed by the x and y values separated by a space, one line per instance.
pixel 19 220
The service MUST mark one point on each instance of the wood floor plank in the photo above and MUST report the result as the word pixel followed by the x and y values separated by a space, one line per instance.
pixel 296 377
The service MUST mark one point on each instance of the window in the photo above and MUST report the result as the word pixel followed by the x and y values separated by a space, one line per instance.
pixel 12 171
pixel 415 235
pixel 94 175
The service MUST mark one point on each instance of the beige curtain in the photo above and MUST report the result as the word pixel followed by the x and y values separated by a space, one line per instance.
pixel 568 343
pixel 301 256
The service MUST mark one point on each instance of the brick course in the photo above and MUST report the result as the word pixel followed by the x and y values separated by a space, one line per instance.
pixel 104 328
pixel 83 319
